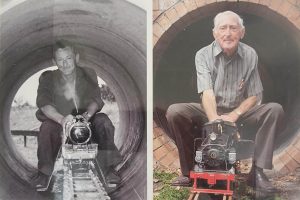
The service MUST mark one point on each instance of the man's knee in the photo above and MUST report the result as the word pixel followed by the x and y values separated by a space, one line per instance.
pixel 174 111
pixel 50 126
pixel 103 120
pixel 275 109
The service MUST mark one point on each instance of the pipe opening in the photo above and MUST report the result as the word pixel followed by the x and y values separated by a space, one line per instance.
pixel 110 42
pixel 23 108
pixel 275 42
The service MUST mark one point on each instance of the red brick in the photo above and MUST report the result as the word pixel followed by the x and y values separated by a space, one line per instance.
pixel 283 157
pixel 293 13
pixel 174 152
pixel 172 15
pixel 277 163
pixel 210 1
pixel 161 140
pixel 296 143
pixel 175 164
pixel 156 132
pixel 164 22
pixel 190 5
pixel 155 4
pixel 294 153
pixel 291 164
pixel 275 4
pixel 264 2
pixel 281 167
pixel 170 146
pixel 200 3
pixel 156 144
pixel 156 13
pixel 297 23
pixel 167 160
pixel 157 30
pixel 155 39
pixel 253 1
pixel 294 2
pixel 284 8
pixel 160 153
pixel 181 9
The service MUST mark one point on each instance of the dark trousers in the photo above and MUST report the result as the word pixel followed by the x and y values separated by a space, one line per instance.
pixel 50 139
pixel 263 121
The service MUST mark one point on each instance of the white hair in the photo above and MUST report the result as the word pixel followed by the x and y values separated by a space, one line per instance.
pixel 221 14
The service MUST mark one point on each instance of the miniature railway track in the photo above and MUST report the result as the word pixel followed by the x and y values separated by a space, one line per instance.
pixel 83 184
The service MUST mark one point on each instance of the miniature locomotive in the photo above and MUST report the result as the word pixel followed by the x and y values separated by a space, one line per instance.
pixel 83 177
pixel 215 149
pixel 216 159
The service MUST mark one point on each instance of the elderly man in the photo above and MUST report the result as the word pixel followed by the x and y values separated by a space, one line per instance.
pixel 63 93
pixel 230 89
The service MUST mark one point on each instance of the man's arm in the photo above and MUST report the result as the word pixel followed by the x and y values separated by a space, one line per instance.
pixel 210 105
pixel 92 108
pixel 246 105
pixel 53 114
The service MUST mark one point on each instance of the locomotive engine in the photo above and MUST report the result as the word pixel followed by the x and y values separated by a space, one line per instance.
pixel 83 177
pixel 216 150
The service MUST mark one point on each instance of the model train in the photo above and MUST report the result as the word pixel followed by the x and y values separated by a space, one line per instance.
pixel 216 159
pixel 83 177
pixel 216 148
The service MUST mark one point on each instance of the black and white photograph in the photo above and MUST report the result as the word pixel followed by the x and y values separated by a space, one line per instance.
pixel 73 98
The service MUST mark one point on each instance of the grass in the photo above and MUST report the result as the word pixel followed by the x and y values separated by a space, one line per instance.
pixel 168 192
pixel 165 191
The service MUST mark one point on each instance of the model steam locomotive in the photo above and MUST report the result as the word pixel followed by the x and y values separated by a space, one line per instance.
pixel 216 148
pixel 217 154
pixel 83 177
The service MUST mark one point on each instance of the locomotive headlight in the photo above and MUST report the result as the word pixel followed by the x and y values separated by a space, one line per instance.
pixel 213 136
pixel 198 157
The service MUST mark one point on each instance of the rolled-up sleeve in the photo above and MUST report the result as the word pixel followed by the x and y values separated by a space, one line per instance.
pixel 45 90
pixel 204 81
pixel 254 86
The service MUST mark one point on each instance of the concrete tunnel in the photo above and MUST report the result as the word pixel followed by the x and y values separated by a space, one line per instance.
pixel 272 29
pixel 111 38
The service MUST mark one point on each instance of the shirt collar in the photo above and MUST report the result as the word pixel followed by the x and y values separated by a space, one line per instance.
pixel 217 49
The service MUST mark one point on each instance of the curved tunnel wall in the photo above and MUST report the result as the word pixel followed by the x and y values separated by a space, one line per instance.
pixel 109 40
pixel 271 28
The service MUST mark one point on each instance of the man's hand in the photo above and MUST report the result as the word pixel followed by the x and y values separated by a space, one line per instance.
pixel 66 119
pixel 230 117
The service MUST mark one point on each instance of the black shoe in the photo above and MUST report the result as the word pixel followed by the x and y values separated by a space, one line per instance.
pixel 257 179
pixel 42 182
pixel 112 177
pixel 183 181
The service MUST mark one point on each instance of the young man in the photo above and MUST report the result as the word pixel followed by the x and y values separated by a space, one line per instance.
pixel 230 89
pixel 63 93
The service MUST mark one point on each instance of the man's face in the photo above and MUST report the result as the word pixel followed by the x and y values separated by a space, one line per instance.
pixel 228 33
pixel 65 60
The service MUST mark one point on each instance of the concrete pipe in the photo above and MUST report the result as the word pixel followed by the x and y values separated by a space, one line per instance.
pixel 272 29
pixel 111 38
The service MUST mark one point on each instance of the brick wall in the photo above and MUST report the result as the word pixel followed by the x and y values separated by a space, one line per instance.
pixel 171 16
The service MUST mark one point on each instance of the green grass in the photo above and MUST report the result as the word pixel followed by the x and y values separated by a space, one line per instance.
pixel 168 192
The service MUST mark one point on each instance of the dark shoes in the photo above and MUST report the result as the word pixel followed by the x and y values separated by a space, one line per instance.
pixel 258 180
pixel 181 181
pixel 41 181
